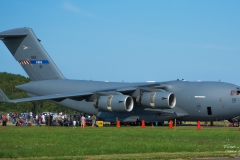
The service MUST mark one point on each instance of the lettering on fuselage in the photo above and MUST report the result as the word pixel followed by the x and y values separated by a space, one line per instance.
pixel 39 62
pixel 200 97
pixel 234 100
pixel 33 57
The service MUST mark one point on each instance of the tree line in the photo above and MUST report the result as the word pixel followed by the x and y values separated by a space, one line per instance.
pixel 8 82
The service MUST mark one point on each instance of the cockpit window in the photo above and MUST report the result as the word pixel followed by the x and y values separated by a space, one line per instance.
pixel 235 92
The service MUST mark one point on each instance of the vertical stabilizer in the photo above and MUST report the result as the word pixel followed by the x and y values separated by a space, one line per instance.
pixel 27 50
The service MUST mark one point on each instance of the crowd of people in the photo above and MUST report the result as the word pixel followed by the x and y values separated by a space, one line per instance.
pixel 28 119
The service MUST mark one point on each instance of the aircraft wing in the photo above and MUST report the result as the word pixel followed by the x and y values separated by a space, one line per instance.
pixel 71 95
pixel 4 98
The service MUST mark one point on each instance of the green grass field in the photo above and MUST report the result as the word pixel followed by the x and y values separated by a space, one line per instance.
pixel 128 142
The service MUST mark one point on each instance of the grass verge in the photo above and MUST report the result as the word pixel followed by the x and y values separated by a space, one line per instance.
pixel 123 143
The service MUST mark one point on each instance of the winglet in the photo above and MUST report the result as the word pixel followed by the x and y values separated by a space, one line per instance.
pixel 3 97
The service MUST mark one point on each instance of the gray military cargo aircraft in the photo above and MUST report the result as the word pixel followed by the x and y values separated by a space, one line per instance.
pixel 130 102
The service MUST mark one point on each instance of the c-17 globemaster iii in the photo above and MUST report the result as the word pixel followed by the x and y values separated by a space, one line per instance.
pixel 130 102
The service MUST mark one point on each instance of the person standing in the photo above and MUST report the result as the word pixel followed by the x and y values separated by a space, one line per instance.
pixel 83 121
pixel 39 120
pixel 93 120
pixel 4 121
pixel 13 118
pixel 28 117
pixel 8 117
pixel 43 118
pixel 78 120
pixel 74 121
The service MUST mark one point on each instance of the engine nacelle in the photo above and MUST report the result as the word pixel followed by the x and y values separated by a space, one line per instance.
pixel 115 103
pixel 158 100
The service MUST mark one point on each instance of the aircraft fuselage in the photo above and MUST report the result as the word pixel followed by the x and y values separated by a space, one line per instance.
pixel 206 101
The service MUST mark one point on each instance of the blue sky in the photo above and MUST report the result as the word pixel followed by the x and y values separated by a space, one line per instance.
pixel 131 41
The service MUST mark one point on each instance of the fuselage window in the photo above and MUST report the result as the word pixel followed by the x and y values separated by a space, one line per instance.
pixel 209 110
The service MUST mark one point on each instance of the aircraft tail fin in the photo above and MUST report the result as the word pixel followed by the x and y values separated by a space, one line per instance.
pixel 27 50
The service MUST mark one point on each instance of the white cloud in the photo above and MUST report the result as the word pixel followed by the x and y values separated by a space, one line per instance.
pixel 71 7
pixel 212 46
pixel 204 46
pixel 68 6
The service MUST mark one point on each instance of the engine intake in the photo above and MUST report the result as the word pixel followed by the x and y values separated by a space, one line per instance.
pixel 115 103
pixel 158 100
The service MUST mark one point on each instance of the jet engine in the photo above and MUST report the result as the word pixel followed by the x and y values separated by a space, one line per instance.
pixel 115 103
pixel 158 100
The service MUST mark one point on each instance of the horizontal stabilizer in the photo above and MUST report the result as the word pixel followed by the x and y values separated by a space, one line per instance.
pixel 12 33
pixel 3 97
pixel 9 36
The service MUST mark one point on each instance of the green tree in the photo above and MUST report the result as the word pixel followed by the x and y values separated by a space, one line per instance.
pixel 8 82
